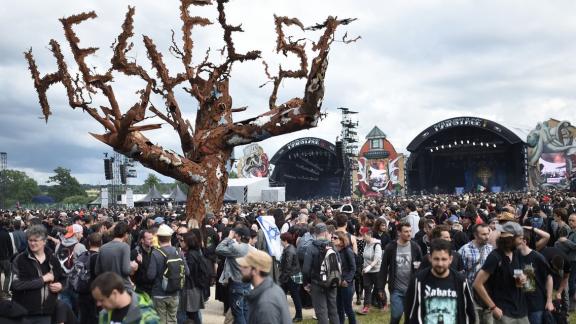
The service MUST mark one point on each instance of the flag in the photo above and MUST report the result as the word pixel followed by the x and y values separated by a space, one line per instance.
pixel 481 188
pixel 272 235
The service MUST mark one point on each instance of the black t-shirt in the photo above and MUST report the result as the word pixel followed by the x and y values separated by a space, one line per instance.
pixel 501 285
pixel 440 300
pixel 549 253
pixel 119 314
pixel 536 270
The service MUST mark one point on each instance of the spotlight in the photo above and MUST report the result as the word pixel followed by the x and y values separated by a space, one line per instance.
pixel 442 146
pixel 467 141
pixel 494 145
pixel 481 143
pixel 436 148
pixel 473 143
pixel 431 150
pixel 455 143
pixel 461 142
pixel 449 145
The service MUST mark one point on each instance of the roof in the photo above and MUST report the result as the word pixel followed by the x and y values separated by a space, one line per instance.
pixel 177 194
pixel 152 194
pixel 375 133
pixel 244 181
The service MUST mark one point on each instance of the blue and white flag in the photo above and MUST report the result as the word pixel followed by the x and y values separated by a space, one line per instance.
pixel 272 234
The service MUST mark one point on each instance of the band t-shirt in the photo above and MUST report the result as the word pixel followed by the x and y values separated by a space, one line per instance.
pixel 440 300
pixel 536 270
pixel 403 267
pixel 119 314
pixel 501 285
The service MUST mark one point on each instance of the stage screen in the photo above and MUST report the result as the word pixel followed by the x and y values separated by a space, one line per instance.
pixel 553 168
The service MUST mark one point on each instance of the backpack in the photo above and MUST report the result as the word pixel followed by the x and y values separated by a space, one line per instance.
pixel 330 269
pixel 65 255
pixel 79 278
pixel 174 272
pixel 202 276
pixel 303 244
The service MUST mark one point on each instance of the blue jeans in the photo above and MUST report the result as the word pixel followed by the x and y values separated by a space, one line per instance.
pixel 295 293
pixel 344 301
pixel 238 303
pixel 536 317
pixel 70 298
pixel 396 306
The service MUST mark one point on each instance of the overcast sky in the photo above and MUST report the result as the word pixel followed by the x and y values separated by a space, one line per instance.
pixel 418 62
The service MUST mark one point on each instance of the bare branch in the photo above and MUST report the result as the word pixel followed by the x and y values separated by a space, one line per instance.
pixel 228 29
pixel 119 61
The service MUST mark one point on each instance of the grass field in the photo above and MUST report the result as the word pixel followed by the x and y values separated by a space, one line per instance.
pixel 378 317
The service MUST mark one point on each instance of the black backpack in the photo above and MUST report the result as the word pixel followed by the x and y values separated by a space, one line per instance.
pixel 79 278
pixel 65 255
pixel 202 275
pixel 174 272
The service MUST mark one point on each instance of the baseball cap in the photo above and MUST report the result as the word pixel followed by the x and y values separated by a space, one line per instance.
pixel 364 230
pixel 73 229
pixel 159 220
pixel 320 228
pixel 512 228
pixel 164 230
pixel 256 259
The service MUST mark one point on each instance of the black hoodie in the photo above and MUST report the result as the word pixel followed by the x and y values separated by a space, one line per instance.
pixel 415 311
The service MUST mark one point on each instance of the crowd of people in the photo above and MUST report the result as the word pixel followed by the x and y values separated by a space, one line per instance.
pixel 474 258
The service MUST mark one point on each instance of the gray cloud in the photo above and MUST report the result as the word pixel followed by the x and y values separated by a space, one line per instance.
pixel 418 62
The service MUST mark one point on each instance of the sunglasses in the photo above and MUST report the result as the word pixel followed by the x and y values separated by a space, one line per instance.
pixel 334 237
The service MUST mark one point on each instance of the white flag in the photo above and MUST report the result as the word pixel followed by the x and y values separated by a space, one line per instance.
pixel 272 234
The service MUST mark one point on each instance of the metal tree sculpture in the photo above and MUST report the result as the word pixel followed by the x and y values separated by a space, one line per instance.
pixel 206 147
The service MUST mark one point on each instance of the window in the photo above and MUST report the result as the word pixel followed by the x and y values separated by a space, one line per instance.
pixel 375 144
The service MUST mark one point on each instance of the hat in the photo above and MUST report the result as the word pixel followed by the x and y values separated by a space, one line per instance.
pixel 257 259
pixel 506 216
pixel 512 228
pixel 320 228
pixel 209 216
pixel 159 220
pixel 243 231
pixel 18 218
pixel 73 229
pixel 347 209
pixel 164 230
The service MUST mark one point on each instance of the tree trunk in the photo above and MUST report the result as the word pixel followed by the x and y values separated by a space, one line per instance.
pixel 207 197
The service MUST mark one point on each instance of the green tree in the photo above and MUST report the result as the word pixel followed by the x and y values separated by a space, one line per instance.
pixel 151 181
pixel 16 186
pixel 65 185
pixel 77 200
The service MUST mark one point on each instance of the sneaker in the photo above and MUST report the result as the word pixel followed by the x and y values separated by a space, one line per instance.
pixel 358 302
pixel 364 310
pixel 297 319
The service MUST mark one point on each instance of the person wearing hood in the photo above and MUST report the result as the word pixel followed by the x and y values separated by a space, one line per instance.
pixel 323 299
pixel 67 252
pixel 266 302
pixel 121 305
pixel 438 294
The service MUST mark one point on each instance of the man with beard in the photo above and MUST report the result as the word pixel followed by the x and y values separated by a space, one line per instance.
pixel 266 302
pixel 499 283
pixel 439 294
pixel 474 254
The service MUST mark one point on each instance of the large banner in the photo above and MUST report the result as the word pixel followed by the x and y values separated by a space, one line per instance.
pixel 254 163
pixel 551 155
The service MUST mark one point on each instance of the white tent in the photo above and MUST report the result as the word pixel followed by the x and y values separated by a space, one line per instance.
pixel 244 190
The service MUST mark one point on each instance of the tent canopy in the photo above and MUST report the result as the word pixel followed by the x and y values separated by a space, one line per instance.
pixel 152 195
pixel 177 195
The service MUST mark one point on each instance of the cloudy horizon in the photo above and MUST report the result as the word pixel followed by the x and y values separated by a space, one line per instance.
pixel 418 62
